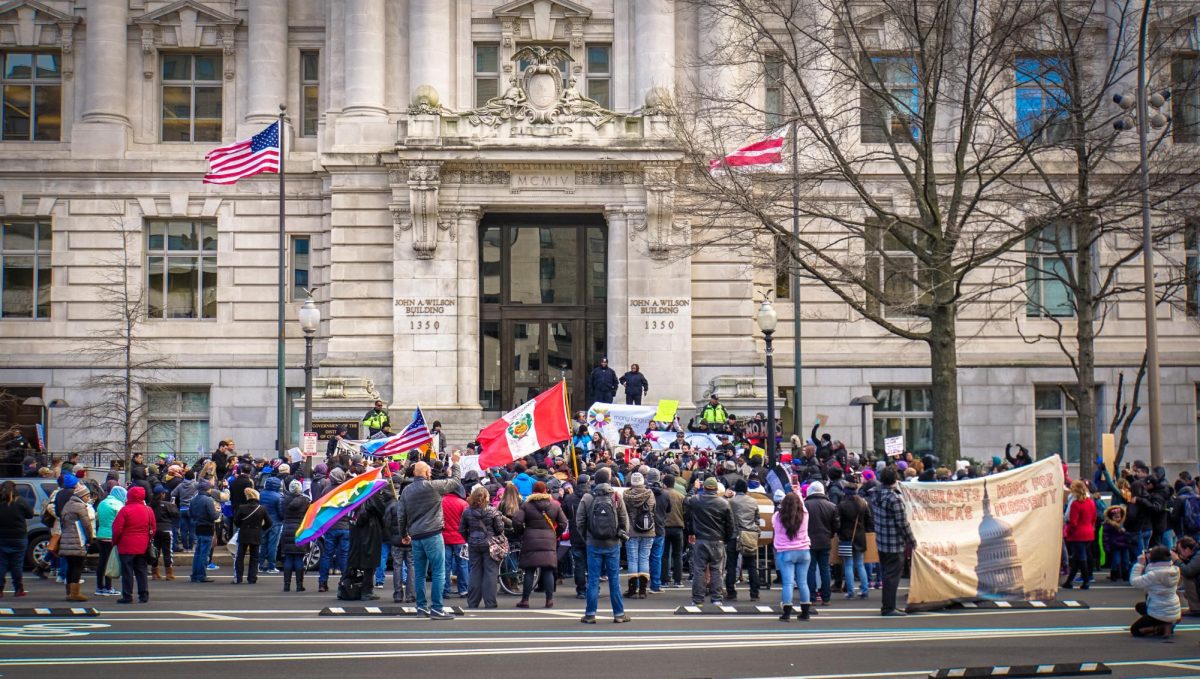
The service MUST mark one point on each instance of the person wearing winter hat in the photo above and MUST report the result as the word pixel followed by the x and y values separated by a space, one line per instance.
pixel 823 524
pixel 271 500
pixel 337 539
pixel 745 521
pixel 166 514
pixel 250 521
pixel 205 516
pixel 76 530
pixel 132 532
pixel 709 526
pixel 106 513
pixel 639 505
pixel 295 506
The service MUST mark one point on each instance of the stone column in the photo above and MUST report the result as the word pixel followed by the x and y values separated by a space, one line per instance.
pixel 365 55
pixel 268 60
pixel 103 129
pixel 654 40
pixel 430 44
pixel 617 340
pixel 467 232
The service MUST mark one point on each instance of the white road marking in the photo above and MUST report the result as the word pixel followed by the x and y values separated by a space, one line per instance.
pixel 208 616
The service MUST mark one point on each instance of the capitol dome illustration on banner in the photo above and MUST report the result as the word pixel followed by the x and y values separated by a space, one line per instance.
pixel 999 565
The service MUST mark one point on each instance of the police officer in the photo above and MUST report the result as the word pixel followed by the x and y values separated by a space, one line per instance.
pixel 375 420
pixel 713 412
pixel 603 383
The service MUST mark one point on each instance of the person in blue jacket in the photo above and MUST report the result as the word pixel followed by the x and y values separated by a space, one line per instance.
pixel 272 501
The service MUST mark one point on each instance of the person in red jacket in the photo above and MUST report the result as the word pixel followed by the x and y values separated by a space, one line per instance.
pixel 133 529
pixel 457 561
pixel 1079 533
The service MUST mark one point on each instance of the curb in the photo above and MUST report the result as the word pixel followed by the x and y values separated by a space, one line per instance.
pixel 726 609
pixel 1017 671
pixel 49 612
pixel 1027 605
pixel 394 611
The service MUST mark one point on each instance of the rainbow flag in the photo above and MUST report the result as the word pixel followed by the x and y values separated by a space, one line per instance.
pixel 325 511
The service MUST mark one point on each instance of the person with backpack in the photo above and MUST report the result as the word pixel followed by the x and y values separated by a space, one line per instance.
pixel 540 522
pixel 639 505
pixel 603 522
pixel 250 521
pixel 1185 512
pixel 744 542
pixel 709 527
pixel 481 526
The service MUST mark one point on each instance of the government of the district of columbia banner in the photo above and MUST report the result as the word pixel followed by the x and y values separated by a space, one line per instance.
pixel 997 537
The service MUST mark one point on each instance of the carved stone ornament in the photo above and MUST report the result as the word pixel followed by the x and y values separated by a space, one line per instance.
pixel 538 96
pixel 187 24
pixel 660 209
pixel 427 102
pixel 424 182
pixel 33 24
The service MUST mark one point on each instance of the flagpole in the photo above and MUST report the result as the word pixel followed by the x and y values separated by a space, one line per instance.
pixel 797 364
pixel 280 381
pixel 570 434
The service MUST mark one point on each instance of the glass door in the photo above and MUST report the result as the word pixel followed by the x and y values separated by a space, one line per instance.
pixel 542 353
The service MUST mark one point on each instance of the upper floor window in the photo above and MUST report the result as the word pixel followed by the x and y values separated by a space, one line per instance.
pixel 889 99
pixel 783 268
pixel 892 260
pixel 30 96
pixel 177 420
pixel 1041 99
pixel 598 74
pixel 1057 425
pixel 182 268
pixel 773 80
pixel 301 266
pixel 904 411
pixel 1185 99
pixel 1049 270
pixel 25 273
pixel 1192 266
pixel 191 97
pixel 310 66
pixel 487 73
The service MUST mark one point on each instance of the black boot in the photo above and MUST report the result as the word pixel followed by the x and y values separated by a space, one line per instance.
pixel 287 579
pixel 805 611
pixel 787 613
pixel 300 580
pixel 632 591
pixel 642 582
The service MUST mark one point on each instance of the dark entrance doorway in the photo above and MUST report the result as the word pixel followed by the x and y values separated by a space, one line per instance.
pixel 543 289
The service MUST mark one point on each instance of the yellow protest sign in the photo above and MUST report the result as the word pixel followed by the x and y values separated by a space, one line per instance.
pixel 666 411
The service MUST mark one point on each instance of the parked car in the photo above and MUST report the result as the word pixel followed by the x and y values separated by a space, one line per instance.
pixel 35 491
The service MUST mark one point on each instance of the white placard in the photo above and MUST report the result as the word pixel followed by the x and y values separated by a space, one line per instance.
pixel 308 443
pixel 894 446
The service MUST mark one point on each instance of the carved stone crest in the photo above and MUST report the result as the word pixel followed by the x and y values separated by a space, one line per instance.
pixel 538 96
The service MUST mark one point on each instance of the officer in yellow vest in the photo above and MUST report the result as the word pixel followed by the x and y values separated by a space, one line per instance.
pixel 375 420
pixel 714 412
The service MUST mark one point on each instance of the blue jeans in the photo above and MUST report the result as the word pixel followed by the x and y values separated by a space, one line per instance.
pixel 337 546
pixel 200 557
pixel 637 555
pixel 1143 541
pixel 850 566
pixel 270 547
pixel 185 535
pixel 656 555
pixel 12 560
pixel 793 569
pixel 457 563
pixel 604 561
pixel 385 556
pixel 820 562
pixel 1120 561
pixel 429 554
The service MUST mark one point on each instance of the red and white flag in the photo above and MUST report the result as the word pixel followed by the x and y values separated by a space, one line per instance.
pixel 534 424
pixel 765 155
pixel 244 158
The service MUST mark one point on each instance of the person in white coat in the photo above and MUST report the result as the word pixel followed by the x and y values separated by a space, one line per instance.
pixel 1159 578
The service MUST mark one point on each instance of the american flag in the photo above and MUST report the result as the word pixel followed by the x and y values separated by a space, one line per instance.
pixel 766 154
pixel 415 435
pixel 245 158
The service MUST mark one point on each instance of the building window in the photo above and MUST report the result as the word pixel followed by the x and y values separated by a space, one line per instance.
pixel 177 420
pixel 904 411
pixel 25 273
pixel 301 263
pixel 1041 100
pixel 773 71
pixel 1057 425
pixel 1192 266
pixel 182 268
pixel 296 415
pixel 487 73
pixel 30 96
pixel 598 74
pixel 783 268
pixel 1049 270
pixel 902 282
pixel 191 97
pixel 1185 99
pixel 310 67
pixel 888 99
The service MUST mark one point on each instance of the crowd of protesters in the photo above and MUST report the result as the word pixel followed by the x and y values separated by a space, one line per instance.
pixel 575 509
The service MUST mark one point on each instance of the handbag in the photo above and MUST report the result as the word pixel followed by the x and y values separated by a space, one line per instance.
pixel 112 569
pixel 54 540
pixel 232 544
pixel 747 542
pixel 497 548
pixel 845 549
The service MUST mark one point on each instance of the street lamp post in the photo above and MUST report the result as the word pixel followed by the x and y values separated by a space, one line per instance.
pixel 46 408
pixel 310 322
pixel 1145 120
pixel 767 318
pixel 863 402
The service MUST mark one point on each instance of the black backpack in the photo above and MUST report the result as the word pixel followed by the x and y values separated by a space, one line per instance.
pixel 602 518
pixel 644 521
pixel 351 585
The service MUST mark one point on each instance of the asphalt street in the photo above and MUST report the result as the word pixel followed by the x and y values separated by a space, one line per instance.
pixel 208 630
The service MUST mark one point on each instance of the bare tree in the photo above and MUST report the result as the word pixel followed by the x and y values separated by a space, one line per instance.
pixel 1084 194
pixel 124 372
pixel 902 114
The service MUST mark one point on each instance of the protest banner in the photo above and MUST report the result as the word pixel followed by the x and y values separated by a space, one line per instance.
pixel 997 537
pixel 893 446
pixel 609 418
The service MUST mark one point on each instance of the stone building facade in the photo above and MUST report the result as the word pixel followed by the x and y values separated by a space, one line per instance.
pixel 482 194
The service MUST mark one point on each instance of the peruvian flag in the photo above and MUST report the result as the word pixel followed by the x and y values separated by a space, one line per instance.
pixel 765 154
pixel 532 425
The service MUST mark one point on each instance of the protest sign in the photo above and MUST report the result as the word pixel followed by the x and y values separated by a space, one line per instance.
pixel 609 418
pixel 893 446
pixel 997 537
